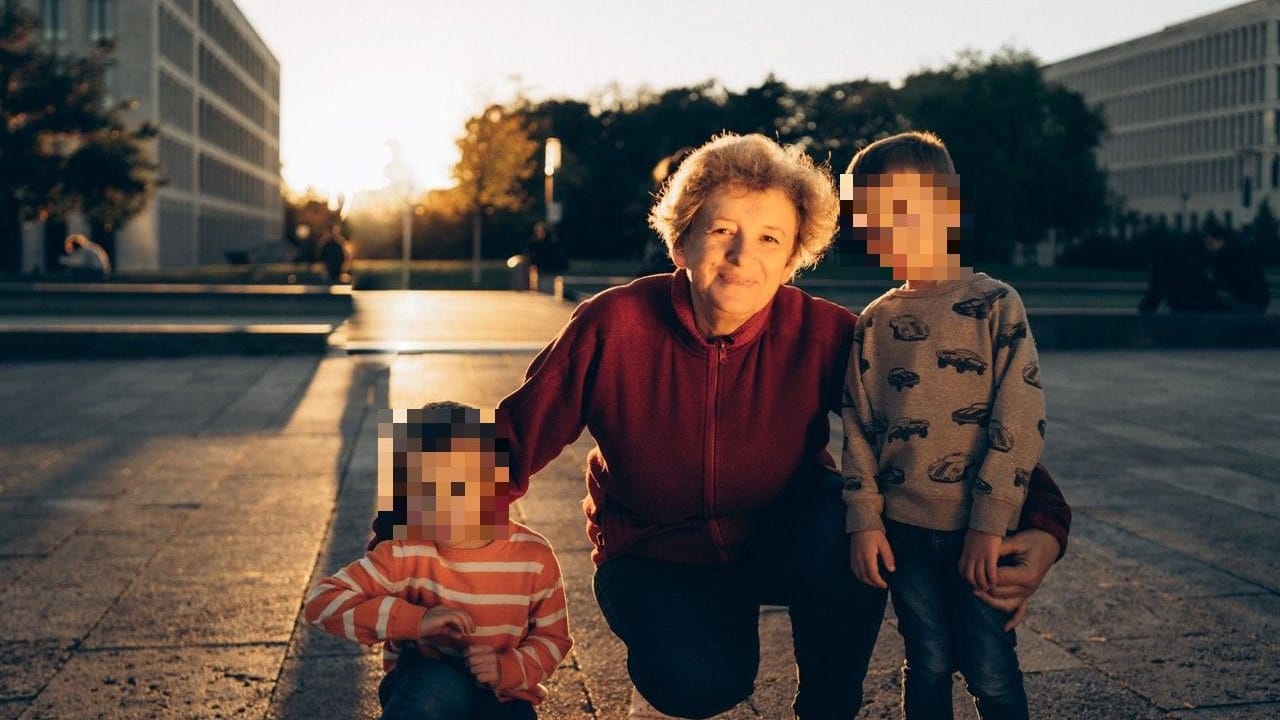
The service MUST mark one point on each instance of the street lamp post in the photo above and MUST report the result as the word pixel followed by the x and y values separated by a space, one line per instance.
pixel 551 163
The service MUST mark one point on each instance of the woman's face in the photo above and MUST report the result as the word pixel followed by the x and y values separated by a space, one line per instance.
pixel 738 252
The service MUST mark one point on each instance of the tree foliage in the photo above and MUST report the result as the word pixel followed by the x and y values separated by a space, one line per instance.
pixel 62 149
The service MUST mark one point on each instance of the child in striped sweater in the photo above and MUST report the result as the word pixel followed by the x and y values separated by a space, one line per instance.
pixel 469 605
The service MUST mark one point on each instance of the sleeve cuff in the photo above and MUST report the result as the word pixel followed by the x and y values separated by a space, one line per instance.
pixel 1048 523
pixel 992 516
pixel 510 676
pixel 865 516
pixel 405 621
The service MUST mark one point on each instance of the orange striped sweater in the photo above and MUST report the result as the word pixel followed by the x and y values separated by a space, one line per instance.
pixel 512 589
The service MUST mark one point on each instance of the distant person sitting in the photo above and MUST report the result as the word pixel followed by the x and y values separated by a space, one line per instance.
pixel 85 259
pixel 1237 275
pixel 1180 279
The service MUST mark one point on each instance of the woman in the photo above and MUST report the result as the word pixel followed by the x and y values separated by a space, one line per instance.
pixel 710 492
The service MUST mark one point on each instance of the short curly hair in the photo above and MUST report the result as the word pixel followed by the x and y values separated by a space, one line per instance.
pixel 756 163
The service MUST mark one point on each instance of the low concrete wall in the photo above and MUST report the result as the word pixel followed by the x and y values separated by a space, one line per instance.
pixel 1093 329
pixel 147 299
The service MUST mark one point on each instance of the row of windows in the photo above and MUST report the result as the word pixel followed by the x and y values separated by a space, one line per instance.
pixel 175 102
pixel 176 40
pixel 1207 135
pixel 186 6
pixel 222 80
pixel 175 163
pixel 220 231
pixel 226 182
pixel 230 135
pixel 216 25
pixel 1204 176
pixel 174 229
pixel 1242 44
pixel 99 20
pixel 1241 87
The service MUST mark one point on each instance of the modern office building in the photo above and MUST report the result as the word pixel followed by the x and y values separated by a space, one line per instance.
pixel 204 77
pixel 1191 113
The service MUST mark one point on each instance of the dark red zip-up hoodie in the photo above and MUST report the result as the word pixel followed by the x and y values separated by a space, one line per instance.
pixel 694 436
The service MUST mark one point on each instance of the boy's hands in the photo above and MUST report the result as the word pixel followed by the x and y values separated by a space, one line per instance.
pixel 979 559
pixel 445 624
pixel 482 661
pixel 866 549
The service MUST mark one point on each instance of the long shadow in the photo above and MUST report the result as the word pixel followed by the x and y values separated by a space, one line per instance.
pixel 327 676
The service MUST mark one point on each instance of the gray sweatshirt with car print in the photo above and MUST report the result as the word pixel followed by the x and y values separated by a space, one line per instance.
pixel 943 409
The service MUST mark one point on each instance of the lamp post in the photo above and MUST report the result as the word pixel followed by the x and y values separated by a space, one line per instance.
pixel 550 165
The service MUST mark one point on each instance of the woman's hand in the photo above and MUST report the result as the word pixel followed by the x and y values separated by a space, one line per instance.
pixel 1032 553
pixel 866 549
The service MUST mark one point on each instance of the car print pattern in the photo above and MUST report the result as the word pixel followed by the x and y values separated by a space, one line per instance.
pixel 972 307
pixel 962 360
pixel 1010 334
pixel 853 483
pixel 1000 439
pixel 1031 374
pixel 1040 428
pixel 976 414
pixel 873 429
pixel 1021 477
pixel 901 378
pixel 863 366
pixel 995 295
pixel 891 476
pixel 981 487
pixel 908 328
pixel 903 428
pixel 953 468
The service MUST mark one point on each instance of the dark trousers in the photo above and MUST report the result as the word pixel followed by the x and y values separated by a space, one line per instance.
pixel 691 631
pixel 421 688
pixel 945 628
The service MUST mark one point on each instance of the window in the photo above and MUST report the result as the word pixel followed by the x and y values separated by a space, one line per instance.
pixel 53 20
pixel 101 20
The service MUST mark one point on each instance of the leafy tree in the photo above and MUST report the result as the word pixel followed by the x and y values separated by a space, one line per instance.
pixel 497 155
pixel 61 148
pixel 1024 148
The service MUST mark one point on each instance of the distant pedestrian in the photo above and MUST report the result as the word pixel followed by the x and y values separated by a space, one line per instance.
pixel 1237 274
pixel 469 606
pixel 85 259
pixel 1179 278
pixel 333 255
pixel 544 252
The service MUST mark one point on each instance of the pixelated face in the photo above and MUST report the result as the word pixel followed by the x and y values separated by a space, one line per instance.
pixel 458 494
pixel 737 252
pixel 911 222
pixel 450 495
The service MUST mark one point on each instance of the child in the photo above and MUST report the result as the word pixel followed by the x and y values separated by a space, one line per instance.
pixel 470 605
pixel 943 422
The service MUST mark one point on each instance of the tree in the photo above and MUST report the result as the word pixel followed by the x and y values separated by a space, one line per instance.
pixel 1023 147
pixel 497 155
pixel 61 148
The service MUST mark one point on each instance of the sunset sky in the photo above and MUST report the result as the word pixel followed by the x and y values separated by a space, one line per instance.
pixel 355 75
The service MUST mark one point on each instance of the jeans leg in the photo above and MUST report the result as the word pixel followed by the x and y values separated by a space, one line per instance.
pixel 425 689
pixel 691 632
pixel 803 562
pixel 488 707
pixel 989 659
pixel 919 587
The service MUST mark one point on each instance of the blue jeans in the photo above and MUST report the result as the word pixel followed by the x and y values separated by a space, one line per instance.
pixel 691 631
pixel 945 628
pixel 421 688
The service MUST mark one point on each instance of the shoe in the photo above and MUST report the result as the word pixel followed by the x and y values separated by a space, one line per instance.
pixel 642 710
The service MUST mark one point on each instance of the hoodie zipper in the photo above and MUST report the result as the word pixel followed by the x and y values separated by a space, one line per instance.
pixel 715 361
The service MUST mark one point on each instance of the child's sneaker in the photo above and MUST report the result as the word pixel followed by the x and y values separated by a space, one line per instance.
pixel 642 710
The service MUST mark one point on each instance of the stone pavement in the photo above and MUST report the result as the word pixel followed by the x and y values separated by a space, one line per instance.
pixel 160 521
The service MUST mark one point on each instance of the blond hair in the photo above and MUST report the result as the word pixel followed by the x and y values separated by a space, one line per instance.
pixel 758 164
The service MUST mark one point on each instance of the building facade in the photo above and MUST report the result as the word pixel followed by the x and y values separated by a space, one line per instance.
pixel 201 74
pixel 1191 112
